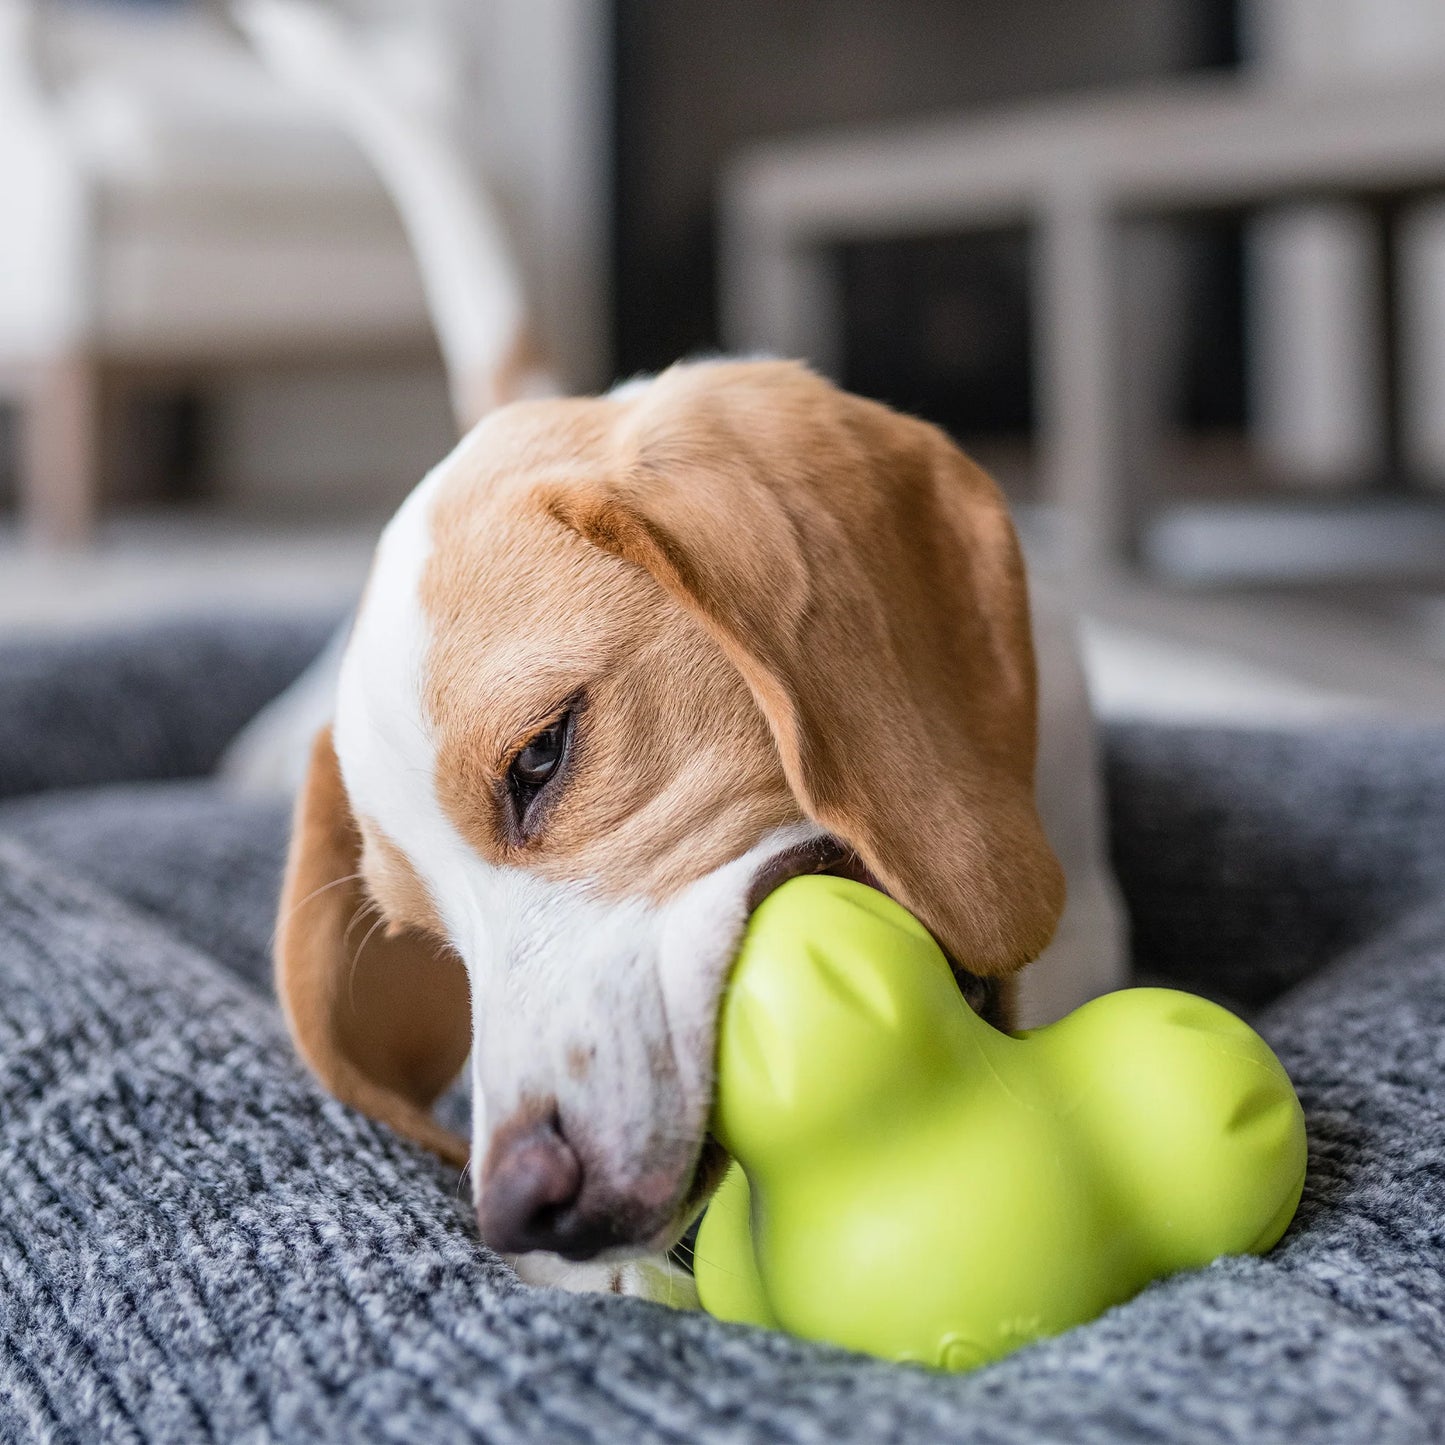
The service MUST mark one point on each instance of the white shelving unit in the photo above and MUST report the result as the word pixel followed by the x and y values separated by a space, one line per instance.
pixel 1081 174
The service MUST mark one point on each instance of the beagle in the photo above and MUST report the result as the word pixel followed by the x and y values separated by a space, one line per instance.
pixel 622 666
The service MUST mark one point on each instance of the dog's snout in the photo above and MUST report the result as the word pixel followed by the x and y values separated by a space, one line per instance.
pixel 536 1194
pixel 531 1185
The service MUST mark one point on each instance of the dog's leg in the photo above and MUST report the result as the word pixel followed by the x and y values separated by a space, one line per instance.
pixel 1089 954
pixel 654 1277
pixel 270 754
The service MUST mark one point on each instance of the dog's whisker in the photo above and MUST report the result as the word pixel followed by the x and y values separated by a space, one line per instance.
pixel 356 959
pixel 302 902
pixel 362 908
pixel 466 1169
pixel 711 1264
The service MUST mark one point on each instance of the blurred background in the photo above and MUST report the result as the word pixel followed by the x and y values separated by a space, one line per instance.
pixel 1174 270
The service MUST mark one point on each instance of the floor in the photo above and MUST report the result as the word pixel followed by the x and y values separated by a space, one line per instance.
pixel 1238 655
pixel 1250 656
pixel 167 563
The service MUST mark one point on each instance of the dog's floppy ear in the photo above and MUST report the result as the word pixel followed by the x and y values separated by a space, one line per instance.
pixel 864 577
pixel 382 1018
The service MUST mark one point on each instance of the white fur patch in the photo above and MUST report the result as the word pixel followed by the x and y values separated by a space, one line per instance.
pixel 557 973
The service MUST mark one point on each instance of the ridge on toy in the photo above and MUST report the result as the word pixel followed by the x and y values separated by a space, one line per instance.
pixel 910 1182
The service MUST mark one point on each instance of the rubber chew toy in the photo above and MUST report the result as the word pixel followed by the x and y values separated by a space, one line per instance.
pixel 910 1182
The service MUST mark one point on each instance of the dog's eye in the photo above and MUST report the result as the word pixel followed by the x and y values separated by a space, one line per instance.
pixel 541 762
pixel 535 764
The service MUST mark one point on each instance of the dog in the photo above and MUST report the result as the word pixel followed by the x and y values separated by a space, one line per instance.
pixel 622 666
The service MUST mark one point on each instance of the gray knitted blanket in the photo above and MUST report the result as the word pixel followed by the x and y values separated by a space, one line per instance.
pixel 196 1243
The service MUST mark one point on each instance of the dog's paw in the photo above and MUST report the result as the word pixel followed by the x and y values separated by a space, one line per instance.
pixel 655 1278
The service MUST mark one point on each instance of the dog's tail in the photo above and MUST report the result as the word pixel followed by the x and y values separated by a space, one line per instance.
pixel 469 275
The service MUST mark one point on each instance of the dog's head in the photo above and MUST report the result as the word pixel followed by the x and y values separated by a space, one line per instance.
pixel 622 666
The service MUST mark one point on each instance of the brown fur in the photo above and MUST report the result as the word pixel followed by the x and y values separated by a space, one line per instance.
pixel 778 601
pixel 401 898
pixel 674 769
pixel 384 1020
pixel 863 577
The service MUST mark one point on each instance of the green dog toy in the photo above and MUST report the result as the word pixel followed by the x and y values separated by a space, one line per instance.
pixel 910 1182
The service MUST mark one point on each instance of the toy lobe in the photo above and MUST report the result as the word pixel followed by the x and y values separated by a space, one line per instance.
pixel 912 1183
pixel 1198 1117
pixel 824 1036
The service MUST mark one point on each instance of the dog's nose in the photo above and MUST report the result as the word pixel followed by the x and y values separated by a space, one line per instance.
pixel 532 1180
pixel 533 1197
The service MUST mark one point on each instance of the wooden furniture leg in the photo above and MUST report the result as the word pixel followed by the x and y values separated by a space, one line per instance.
pixel 1076 365
pixel 60 452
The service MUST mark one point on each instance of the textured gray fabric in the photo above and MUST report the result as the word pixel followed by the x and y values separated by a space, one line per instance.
pixel 206 864
pixel 1249 858
pixel 196 1243
pixel 160 701
pixel 191 856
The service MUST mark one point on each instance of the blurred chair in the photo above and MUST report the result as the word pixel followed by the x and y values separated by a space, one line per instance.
pixel 170 208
